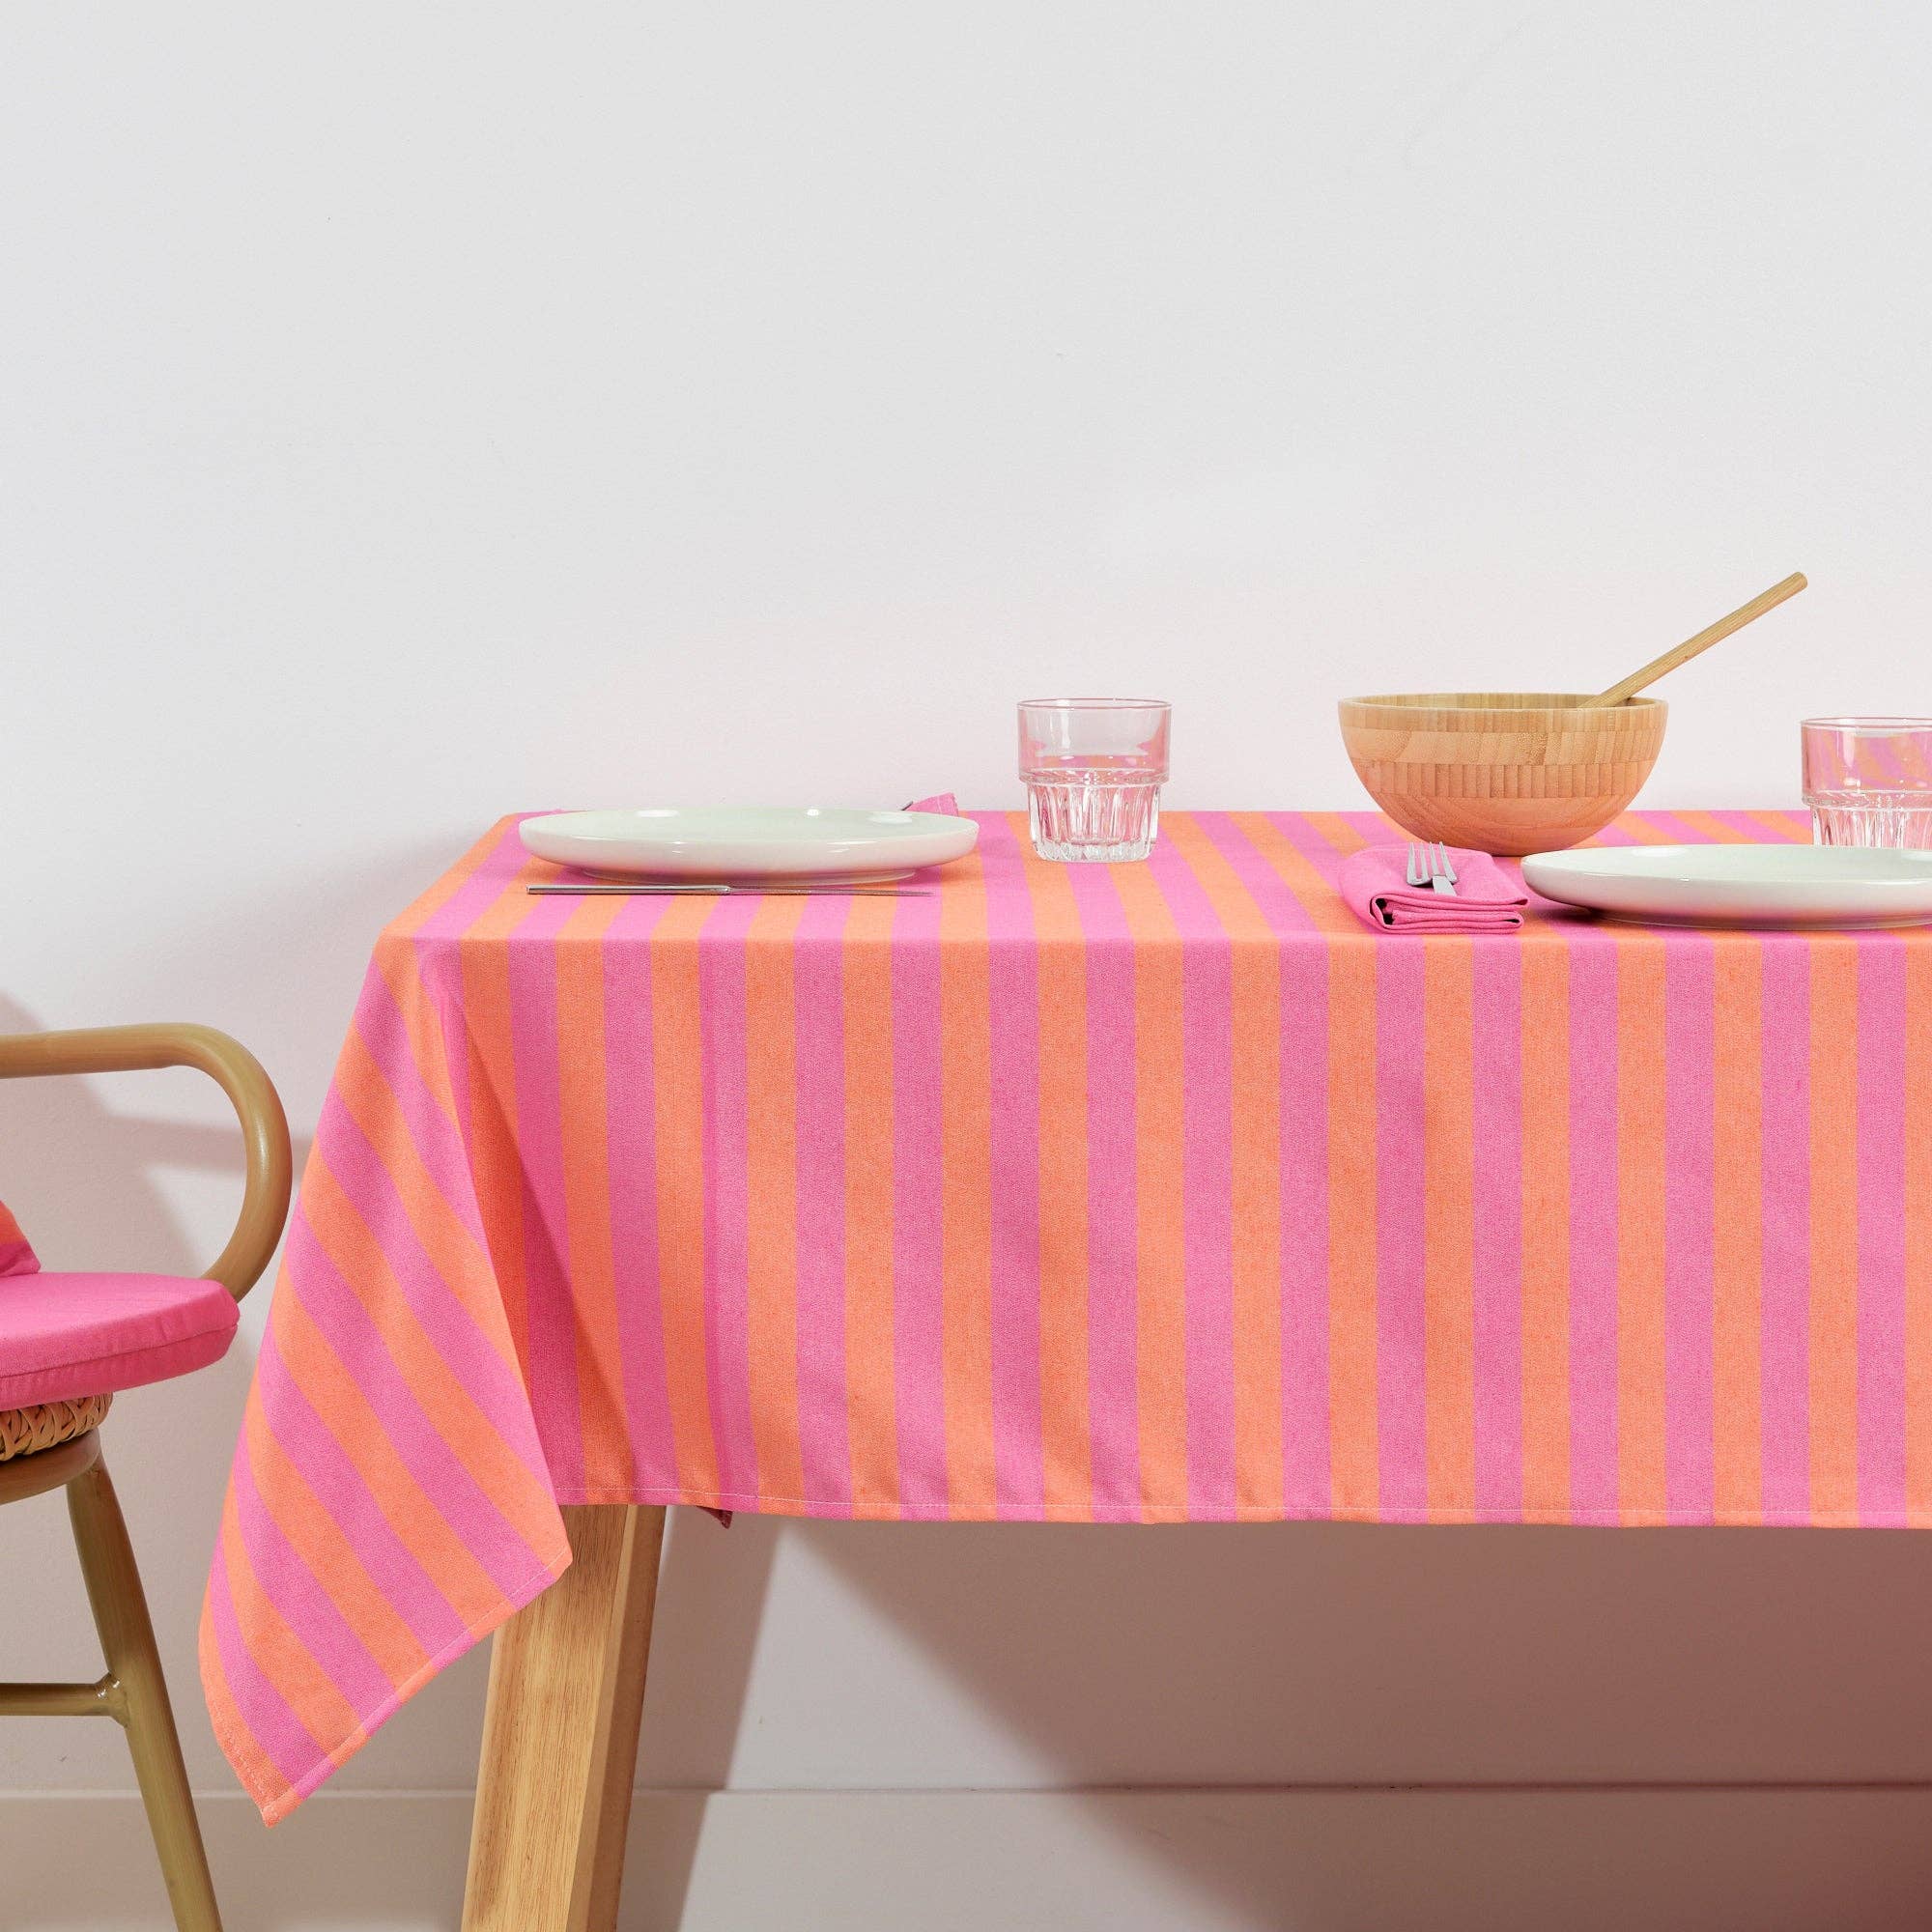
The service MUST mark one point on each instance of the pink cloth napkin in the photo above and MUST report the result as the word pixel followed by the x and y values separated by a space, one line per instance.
pixel 1375 885
pixel 940 802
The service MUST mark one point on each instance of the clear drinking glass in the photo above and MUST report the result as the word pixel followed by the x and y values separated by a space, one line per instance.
pixel 1868 781
pixel 1094 768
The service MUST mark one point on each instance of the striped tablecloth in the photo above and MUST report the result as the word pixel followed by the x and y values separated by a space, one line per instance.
pixel 1137 1194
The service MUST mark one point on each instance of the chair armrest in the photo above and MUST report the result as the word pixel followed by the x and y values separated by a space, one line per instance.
pixel 265 1129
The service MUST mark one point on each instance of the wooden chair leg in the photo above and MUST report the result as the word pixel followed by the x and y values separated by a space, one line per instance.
pixel 127 1639
pixel 560 1734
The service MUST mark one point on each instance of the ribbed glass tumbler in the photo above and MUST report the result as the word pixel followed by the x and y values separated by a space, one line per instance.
pixel 1094 769
pixel 1868 781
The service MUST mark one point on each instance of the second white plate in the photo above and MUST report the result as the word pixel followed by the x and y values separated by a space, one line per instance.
pixel 730 843
pixel 1808 886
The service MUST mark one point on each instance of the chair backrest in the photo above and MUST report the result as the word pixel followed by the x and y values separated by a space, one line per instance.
pixel 15 1256
pixel 265 1132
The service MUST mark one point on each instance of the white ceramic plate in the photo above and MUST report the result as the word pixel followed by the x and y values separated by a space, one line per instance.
pixel 1741 885
pixel 727 843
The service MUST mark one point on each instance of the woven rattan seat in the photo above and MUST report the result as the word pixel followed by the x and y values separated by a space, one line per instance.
pixel 26 1431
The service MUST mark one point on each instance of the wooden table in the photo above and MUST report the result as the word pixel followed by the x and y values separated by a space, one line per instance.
pixel 560 1734
pixel 1143 1193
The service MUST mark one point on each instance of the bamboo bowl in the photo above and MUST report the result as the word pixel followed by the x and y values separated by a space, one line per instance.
pixel 1507 772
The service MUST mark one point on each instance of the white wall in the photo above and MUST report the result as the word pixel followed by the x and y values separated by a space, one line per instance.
pixel 410 412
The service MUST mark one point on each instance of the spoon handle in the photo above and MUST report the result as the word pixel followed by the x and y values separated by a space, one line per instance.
pixel 1745 614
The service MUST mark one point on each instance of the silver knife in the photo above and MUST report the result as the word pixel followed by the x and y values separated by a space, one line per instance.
pixel 615 889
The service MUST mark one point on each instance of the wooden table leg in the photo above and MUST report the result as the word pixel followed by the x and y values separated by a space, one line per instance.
pixel 560 1735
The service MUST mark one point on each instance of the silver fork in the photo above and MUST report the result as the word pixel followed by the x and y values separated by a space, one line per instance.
pixel 1429 866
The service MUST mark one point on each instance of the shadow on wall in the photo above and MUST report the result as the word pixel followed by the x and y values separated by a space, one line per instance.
pixel 1335 1656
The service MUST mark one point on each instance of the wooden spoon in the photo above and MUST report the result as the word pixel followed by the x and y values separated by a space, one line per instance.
pixel 1745 614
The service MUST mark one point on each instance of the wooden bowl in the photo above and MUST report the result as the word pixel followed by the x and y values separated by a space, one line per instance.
pixel 1502 771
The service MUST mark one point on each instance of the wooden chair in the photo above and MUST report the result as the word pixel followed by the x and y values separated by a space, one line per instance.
pixel 67 1341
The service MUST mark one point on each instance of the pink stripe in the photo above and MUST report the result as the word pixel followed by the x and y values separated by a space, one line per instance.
pixel 727 1340
pixel 1674 828
pixel 476 894
pixel 437 1141
pixel 1208 1181
pixel 1881 1165
pixel 1593 1227
pixel 1372 828
pixel 1113 1313
pixel 1012 995
pixel 538 1098
pixel 1308 843
pixel 819 1005
pixel 448 1484
pixel 283 1737
pixel 491 1381
pixel 630 1088
pixel 1689 1239
pixel 1400 1177
pixel 1786 1353
pixel 1307 1478
pixel 1496 1049
pixel 302 1600
pixel 338 1486
pixel 438 957
pixel 919 1283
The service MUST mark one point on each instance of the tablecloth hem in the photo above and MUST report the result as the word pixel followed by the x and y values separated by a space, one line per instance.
pixel 1113 1511
pixel 275 1807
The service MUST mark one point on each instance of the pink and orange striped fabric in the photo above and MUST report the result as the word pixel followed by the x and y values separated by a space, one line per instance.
pixel 1127 1194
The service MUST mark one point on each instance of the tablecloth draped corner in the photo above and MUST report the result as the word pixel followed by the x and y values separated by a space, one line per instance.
pixel 389 1503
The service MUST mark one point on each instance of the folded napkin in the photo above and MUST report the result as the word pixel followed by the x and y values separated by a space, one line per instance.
pixel 940 802
pixel 1375 885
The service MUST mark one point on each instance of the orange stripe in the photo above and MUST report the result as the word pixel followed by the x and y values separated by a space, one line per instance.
pixel 677 1054
pixel 1160 1307
pixel 1255 968
pixel 400 965
pixel 869 1381
pixel 1337 831
pixel 494 1158
pixel 1641 1213
pixel 1065 1443
pixel 772 1230
pixel 1449 1222
pixel 317 1538
pixel 597 1343
pixel 1919 1224
pixel 279 1654
pixel 1546 1225
pixel 337 1399
pixel 1637 827
pixel 1354 1398
pixel 368 1099
pixel 252 1764
pixel 1315 897
pixel 1353 1449
pixel 1737 1284
pixel 1834 1226
pixel 344 1236
pixel 1714 828
pixel 966 1201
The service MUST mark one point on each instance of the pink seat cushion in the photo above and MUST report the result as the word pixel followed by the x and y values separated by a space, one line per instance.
pixel 66 1335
